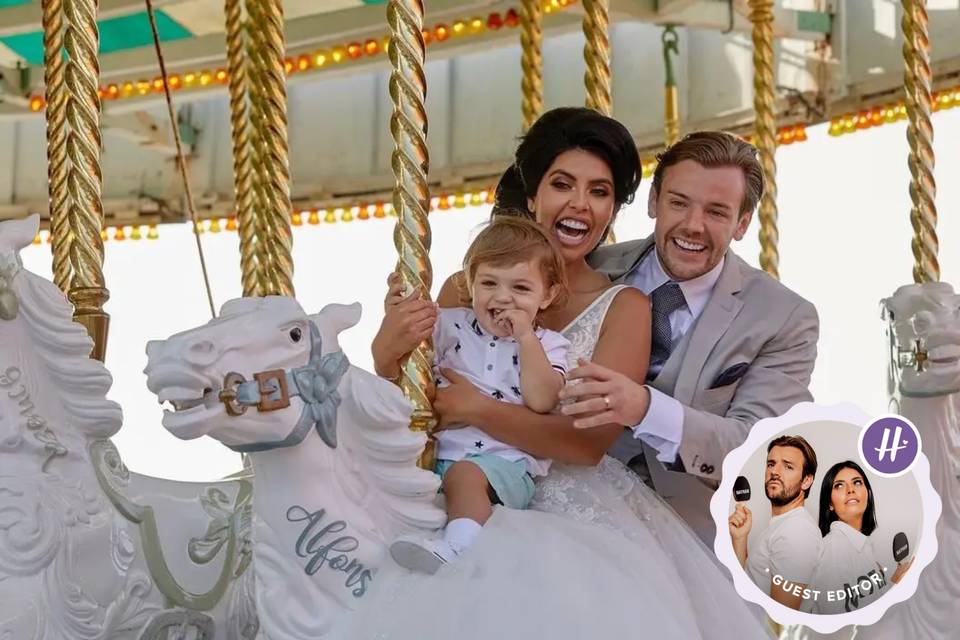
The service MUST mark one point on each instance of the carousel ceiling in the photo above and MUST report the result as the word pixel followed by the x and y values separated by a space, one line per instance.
pixel 831 59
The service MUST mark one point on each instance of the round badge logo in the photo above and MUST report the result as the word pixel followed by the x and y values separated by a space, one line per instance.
pixel 890 446
pixel 786 563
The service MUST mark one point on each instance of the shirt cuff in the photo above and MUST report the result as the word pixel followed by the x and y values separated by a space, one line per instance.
pixel 662 427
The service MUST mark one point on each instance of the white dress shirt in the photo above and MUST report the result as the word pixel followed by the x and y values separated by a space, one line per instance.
pixel 493 366
pixel 662 427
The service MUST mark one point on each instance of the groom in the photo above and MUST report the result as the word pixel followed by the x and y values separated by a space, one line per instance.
pixel 730 344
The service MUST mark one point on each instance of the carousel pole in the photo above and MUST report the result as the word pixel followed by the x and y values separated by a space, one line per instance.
pixel 53 68
pixel 240 131
pixel 258 222
pixel 411 194
pixel 596 54
pixel 764 104
pixel 88 291
pixel 923 188
pixel 531 44
pixel 270 150
pixel 671 98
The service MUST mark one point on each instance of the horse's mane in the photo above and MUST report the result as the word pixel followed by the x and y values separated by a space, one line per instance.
pixel 373 425
pixel 63 347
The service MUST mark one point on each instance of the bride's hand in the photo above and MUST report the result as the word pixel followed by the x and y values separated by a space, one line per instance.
pixel 396 292
pixel 458 403
pixel 604 396
pixel 408 321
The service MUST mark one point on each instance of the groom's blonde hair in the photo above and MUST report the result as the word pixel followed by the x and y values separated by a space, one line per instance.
pixel 510 240
pixel 712 149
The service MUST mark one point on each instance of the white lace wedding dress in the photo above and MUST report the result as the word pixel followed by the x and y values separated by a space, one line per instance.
pixel 597 555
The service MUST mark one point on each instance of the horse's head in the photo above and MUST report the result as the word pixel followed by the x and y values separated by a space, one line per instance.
pixel 923 326
pixel 260 376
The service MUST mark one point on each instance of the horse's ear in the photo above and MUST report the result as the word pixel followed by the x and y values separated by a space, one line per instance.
pixel 18 234
pixel 333 319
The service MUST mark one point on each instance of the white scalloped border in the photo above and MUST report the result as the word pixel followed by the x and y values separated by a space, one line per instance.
pixel 762 431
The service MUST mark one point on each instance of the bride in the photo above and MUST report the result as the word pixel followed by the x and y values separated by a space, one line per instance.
pixel 630 566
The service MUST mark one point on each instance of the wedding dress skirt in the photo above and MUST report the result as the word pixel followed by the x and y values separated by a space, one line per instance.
pixel 598 555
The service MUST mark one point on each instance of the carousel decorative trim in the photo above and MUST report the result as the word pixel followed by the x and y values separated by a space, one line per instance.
pixel 329 57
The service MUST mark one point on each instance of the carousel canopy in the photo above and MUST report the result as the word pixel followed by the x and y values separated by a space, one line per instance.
pixel 828 63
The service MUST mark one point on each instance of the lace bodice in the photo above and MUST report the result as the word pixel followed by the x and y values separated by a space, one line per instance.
pixel 598 494
pixel 584 330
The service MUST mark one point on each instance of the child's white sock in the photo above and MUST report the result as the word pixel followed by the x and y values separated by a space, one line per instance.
pixel 460 533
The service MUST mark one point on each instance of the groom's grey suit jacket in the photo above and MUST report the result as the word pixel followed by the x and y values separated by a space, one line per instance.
pixel 748 356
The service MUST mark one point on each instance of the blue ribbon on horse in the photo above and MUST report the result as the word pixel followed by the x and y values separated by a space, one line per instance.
pixel 316 383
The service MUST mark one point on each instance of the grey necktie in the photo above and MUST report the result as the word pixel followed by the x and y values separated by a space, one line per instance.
pixel 665 299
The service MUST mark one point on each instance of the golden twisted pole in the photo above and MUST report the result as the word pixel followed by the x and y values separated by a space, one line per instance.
pixel 269 107
pixel 596 53
pixel 923 188
pixel 259 220
pixel 242 164
pixel 56 95
pixel 88 290
pixel 531 44
pixel 761 15
pixel 411 194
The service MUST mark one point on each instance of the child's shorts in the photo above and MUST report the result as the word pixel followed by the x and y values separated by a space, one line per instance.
pixel 510 480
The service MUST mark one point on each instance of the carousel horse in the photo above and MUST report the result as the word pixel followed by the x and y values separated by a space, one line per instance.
pixel 923 381
pixel 332 452
pixel 89 550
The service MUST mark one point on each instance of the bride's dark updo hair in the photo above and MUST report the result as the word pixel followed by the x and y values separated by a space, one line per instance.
pixel 560 130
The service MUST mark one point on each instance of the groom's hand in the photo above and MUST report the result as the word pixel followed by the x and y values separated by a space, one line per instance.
pixel 604 396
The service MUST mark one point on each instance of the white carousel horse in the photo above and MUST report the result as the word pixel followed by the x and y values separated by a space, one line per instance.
pixel 89 550
pixel 923 328
pixel 330 444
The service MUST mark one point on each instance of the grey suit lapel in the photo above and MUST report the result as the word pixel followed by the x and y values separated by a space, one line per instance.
pixel 618 260
pixel 713 322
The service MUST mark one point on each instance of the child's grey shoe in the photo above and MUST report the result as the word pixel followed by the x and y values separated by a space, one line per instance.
pixel 421 555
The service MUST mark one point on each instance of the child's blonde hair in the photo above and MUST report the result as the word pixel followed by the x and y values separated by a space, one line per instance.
pixel 509 240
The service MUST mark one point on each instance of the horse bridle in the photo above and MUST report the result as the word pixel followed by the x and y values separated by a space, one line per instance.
pixel 315 383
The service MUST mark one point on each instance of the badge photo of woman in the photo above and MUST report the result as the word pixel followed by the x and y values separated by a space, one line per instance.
pixel 848 576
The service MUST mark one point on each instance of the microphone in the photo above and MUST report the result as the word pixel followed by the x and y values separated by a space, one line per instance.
pixel 741 491
pixel 901 547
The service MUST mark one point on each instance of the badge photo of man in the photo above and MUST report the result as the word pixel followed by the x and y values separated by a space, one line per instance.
pixel 781 557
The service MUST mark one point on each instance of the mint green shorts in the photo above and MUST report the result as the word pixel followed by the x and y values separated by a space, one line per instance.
pixel 510 480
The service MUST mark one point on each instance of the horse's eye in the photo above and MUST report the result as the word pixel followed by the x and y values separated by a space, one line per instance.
pixel 296 334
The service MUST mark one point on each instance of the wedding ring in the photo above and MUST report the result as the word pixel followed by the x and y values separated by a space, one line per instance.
pixel 606 400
